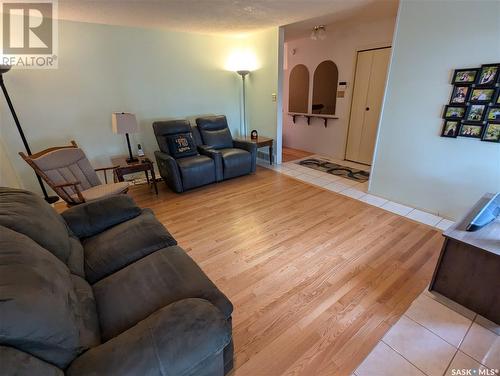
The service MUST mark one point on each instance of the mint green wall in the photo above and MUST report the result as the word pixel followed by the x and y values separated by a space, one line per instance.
pixel 154 74
pixel 413 165
pixel 262 83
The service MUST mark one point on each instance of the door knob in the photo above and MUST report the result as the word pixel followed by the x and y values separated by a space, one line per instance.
pixel 367 108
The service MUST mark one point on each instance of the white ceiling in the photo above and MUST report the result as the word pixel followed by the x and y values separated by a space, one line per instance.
pixel 362 13
pixel 210 16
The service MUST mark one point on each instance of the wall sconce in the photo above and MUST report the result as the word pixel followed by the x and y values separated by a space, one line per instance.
pixel 318 32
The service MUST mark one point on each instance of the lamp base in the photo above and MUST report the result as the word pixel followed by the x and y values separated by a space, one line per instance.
pixel 132 160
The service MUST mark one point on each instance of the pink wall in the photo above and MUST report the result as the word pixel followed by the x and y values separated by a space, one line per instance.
pixel 343 41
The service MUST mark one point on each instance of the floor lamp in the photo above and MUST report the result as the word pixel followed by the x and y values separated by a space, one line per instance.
pixel 5 69
pixel 243 74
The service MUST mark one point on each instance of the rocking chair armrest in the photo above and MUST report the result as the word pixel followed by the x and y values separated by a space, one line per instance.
pixel 74 185
pixel 106 168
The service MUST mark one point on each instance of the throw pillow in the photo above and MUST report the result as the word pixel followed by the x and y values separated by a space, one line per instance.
pixel 181 145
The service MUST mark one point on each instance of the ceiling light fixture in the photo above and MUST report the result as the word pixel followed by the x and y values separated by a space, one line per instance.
pixel 318 32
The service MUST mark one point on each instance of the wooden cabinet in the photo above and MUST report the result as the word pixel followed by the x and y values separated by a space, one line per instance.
pixel 468 269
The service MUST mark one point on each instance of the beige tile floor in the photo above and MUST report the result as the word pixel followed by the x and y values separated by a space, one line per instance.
pixel 350 188
pixel 436 337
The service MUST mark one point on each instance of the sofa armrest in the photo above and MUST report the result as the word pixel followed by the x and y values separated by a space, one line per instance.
pixel 216 156
pixel 169 171
pixel 251 147
pixel 19 363
pixel 175 340
pixel 93 217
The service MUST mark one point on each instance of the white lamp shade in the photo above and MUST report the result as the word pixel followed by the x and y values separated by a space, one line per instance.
pixel 124 122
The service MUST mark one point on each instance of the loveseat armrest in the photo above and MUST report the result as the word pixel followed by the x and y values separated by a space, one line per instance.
pixel 184 338
pixel 217 158
pixel 18 363
pixel 169 171
pixel 95 216
pixel 251 147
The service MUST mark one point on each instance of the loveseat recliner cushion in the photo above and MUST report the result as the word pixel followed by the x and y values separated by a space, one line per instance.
pixel 236 162
pixel 40 311
pixel 196 171
pixel 123 244
pixel 29 214
pixel 215 131
pixel 135 292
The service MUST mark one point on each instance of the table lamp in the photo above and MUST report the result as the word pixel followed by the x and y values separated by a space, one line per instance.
pixel 125 123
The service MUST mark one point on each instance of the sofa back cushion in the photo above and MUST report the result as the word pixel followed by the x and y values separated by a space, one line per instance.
pixel 215 131
pixel 163 129
pixel 29 214
pixel 41 312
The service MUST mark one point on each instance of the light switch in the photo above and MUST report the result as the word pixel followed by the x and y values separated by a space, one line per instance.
pixel 273 97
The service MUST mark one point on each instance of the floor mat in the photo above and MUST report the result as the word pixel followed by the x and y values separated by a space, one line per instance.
pixel 335 169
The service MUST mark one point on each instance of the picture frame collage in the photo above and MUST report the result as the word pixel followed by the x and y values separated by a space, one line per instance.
pixel 474 107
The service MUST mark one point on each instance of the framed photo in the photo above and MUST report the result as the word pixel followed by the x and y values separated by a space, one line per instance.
pixel 465 76
pixel 450 128
pixel 493 114
pixel 460 94
pixel 491 133
pixel 471 130
pixel 454 112
pixel 488 75
pixel 475 112
pixel 482 95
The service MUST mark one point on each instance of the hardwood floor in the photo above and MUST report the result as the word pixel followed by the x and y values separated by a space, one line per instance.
pixel 316 278
pixel 289 154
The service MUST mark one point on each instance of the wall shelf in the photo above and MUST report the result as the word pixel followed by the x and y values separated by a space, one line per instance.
pixel 308 116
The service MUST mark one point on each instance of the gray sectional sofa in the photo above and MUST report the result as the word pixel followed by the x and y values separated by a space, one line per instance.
pixel 103 289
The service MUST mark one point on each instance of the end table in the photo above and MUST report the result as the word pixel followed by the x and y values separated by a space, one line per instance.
pixel 261 142
pixel 124 168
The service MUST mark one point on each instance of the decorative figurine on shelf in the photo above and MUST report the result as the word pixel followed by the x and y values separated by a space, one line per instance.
pixel 254 135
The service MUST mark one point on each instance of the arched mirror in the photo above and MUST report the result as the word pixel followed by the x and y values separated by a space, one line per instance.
pixel 298 89
pixel 326 77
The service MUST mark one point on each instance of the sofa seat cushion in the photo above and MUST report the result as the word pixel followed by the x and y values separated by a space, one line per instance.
pixel 29 214
pixel 40 311
pixel 196 171
pixel 236 162
pixel 172 341
pixel 103 190
pixel 17 363
pixel 123 244
pixel 135 292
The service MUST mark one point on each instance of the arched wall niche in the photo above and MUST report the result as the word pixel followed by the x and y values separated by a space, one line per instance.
pixel 298 95
pixel 325 81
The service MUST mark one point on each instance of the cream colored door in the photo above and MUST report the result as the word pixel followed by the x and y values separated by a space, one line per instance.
pixel 369 86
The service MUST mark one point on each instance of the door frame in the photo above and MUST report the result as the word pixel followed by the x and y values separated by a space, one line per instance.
pixel 352 94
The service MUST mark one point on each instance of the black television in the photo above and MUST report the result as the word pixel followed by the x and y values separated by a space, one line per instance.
pixel 487 214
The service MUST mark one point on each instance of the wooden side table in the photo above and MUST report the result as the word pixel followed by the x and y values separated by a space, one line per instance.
pixel 261 142
pixel 144 164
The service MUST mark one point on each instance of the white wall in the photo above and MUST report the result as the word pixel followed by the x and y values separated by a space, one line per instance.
pixel 413 165
pixel 343 41
pixel 155 74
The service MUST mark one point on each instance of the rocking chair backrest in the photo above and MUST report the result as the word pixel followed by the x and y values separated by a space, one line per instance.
pixel 60 165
